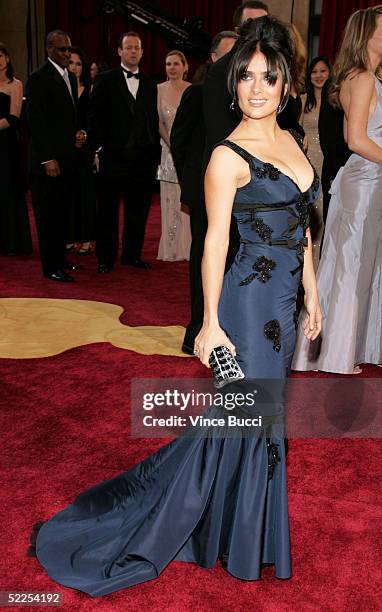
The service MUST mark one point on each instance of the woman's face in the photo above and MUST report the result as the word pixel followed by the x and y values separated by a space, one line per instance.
pixel 375 42
pixel 93 70
pixel 319 75
pixel 4 59
pixel 174 67
pixel 75 65
pixel 258 98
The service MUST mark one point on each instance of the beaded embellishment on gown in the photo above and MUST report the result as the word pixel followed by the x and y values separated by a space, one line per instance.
pixel 316 157
pixel 175 240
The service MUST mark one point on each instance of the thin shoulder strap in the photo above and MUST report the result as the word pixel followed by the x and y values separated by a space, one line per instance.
pixel 298 138
pixel 237 148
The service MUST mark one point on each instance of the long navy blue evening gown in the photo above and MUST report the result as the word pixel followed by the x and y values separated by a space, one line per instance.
pixel 203 497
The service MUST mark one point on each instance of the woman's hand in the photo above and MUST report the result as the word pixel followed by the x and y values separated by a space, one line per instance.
pixel 209 337
pixel 313 320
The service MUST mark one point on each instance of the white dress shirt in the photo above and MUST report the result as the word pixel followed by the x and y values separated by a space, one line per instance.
pixel 64 73
pixel 132 82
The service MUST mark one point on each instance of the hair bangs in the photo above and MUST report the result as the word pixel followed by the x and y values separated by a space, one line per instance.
pixel 275 61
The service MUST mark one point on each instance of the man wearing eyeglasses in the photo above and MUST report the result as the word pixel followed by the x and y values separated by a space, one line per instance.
pixel 52 115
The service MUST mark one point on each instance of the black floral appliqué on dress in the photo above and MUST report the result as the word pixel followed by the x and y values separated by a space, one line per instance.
pixel 262 267
pixel 272 331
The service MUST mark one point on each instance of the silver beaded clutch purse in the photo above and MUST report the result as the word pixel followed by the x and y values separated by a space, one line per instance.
pixel 224 367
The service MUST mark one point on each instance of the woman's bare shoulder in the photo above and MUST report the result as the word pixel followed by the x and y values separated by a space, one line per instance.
pixel 225 161
pixel 358 78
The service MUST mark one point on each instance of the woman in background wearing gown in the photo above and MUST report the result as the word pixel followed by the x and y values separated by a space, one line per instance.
pixel 318 73
pixel 216 494
pixel 15 236
pixel 350 270
pixel 175 240
pixel 82 215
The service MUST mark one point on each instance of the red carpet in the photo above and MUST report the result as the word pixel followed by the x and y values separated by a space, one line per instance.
pixel 65 425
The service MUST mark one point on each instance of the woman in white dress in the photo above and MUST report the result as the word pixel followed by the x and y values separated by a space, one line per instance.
pixel 175 240
pixel 349 276
pixel 318 73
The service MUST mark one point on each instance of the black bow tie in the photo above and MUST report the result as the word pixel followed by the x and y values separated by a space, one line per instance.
pixel 130 74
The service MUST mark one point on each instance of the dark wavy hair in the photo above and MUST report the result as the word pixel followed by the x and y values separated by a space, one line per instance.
pixel 353 53
pixel 271 37
pixel 9 71
pixel 311 101
pixel 85 75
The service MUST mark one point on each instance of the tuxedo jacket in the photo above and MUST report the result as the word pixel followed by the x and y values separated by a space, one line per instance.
pixel 187 138
pixel 220 120
pixel 52 117
pixel 126 128
pixel 331 133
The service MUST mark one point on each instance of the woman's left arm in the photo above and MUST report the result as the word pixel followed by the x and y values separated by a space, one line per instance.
pixel 15 106
pixel 313 321
pixel 162 128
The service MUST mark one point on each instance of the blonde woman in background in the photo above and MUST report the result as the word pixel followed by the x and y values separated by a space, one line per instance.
pixel 349 276
pixel 175 240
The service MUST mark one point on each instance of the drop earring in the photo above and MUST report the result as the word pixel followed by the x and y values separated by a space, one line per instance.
pixel 232 105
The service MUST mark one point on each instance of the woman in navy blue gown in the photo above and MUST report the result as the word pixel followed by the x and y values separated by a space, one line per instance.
pixel 209 496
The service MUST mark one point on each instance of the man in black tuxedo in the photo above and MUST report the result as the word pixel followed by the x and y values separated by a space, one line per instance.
pixel 188 135
pixel 219 119
pixel 124 129
pixel 52 114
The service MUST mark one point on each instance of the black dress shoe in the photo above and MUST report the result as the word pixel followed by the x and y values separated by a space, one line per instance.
pixel 137 263
pixel 68 265
pixel 60 276
pixel 104 268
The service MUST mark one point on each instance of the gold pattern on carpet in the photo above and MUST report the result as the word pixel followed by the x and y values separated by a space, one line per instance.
pixel 41 327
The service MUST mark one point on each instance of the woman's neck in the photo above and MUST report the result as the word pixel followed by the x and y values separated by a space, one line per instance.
pixel 3 76
pixel 259 129
pixel 175 83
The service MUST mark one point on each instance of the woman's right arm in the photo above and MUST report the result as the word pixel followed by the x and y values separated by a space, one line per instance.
pixel 220 187
pixel 361 90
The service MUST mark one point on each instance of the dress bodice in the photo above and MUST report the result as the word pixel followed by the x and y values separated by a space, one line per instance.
pixel 374 125
pixel 311 124
pixel 167 113
pixel 311 130
pixel 271 209
pixel 5 103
